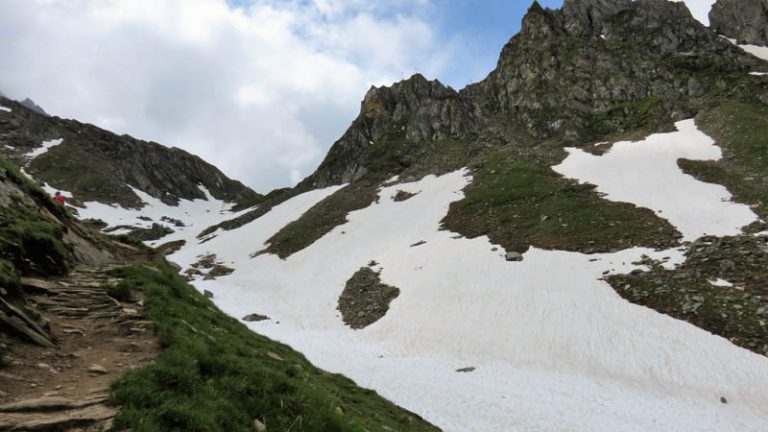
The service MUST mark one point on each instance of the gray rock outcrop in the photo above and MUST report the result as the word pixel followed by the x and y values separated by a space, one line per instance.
pixel 573 74
pixel 743 20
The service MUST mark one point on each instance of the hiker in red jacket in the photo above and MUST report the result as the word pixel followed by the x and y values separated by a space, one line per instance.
pixel 59 197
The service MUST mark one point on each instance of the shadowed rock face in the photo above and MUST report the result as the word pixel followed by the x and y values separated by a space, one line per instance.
pixel 415 110
pixel 98 165
pixel 563 69
pixel 743 20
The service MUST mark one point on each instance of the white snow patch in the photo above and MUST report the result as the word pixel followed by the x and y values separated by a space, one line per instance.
pixel 720 283
pixel 44 148
pixel 6 109
pixel 760 52
pixel 758 73
pixel 757 51
pixel 645 173
pixel 196 215
pixel 9 147
pixel 555 347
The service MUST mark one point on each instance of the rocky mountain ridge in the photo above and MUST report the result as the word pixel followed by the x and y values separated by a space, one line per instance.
pixel 590 69
pixel 98 165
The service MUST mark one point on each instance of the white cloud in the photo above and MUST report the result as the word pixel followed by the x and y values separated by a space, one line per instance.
pixel 260 90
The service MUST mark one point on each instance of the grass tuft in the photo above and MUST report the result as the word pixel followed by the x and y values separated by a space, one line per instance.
pixel 215 375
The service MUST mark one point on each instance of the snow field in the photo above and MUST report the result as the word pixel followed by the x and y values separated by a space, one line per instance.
pixel 6 109
pixel 555 348
pixel 195 214
pixel 645 173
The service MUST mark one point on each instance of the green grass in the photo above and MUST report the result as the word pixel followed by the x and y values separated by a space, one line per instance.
pixel 639 117
pixel 518 205
pixel 80 169
pixel 741 129
pixel 738 313
pixel 32 244
pixel 9 279
pixel 321 218
pixel 30 240
pixel 122 290
pixel 213 374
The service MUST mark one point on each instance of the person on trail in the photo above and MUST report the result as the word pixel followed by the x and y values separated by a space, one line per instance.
pixel 59 197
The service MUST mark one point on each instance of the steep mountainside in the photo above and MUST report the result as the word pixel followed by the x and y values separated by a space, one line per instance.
pixel 589 70
pixel 577 242
pixel 97 165
pixel 492 243
pixel 743 20
pixel 592 71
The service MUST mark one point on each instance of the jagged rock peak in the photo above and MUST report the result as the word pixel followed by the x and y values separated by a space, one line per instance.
pixel 590 16
pixel 29 103
pixel 403 96
pixel 540 24
pixel 743 20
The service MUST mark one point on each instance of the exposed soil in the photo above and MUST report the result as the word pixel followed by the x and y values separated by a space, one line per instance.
pixel 214 268
pixel 402 195
pixel 365 299
pixel 698 291
pixel 97 339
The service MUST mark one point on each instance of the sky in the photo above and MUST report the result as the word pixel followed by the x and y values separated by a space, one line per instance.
pixel 259 88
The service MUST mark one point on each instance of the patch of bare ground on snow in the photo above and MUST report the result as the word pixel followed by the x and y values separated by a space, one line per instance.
pixel 721 288
pixel 365 299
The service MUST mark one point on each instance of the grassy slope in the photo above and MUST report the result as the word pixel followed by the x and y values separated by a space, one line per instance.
pixel 31 242
pixel 518 204
pixel 741 129
pixel 216 375
pixel 321 219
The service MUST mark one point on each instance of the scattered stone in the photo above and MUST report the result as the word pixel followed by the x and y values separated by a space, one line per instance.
pixel 255 318
pixel 38 421
pixel 274 356
pixel 419 243
pixel 365 299
pixel 723 399
pixel 220 270
pixel 403 196
pixel 260 427
pixel 171 247
pixel 156 232
pixel 514 256
pixel 98 370
pixel 466 369
pixel 208 294
pixel 175 222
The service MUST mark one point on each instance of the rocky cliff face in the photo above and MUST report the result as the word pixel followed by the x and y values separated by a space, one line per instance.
pixel 97 165
pixel 743 20
pixel 590 69
pixel 413 110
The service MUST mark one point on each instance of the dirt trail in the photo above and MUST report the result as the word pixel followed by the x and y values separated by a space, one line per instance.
pixel 97 339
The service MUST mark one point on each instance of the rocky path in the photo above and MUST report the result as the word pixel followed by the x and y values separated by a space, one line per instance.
pixel 96 339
